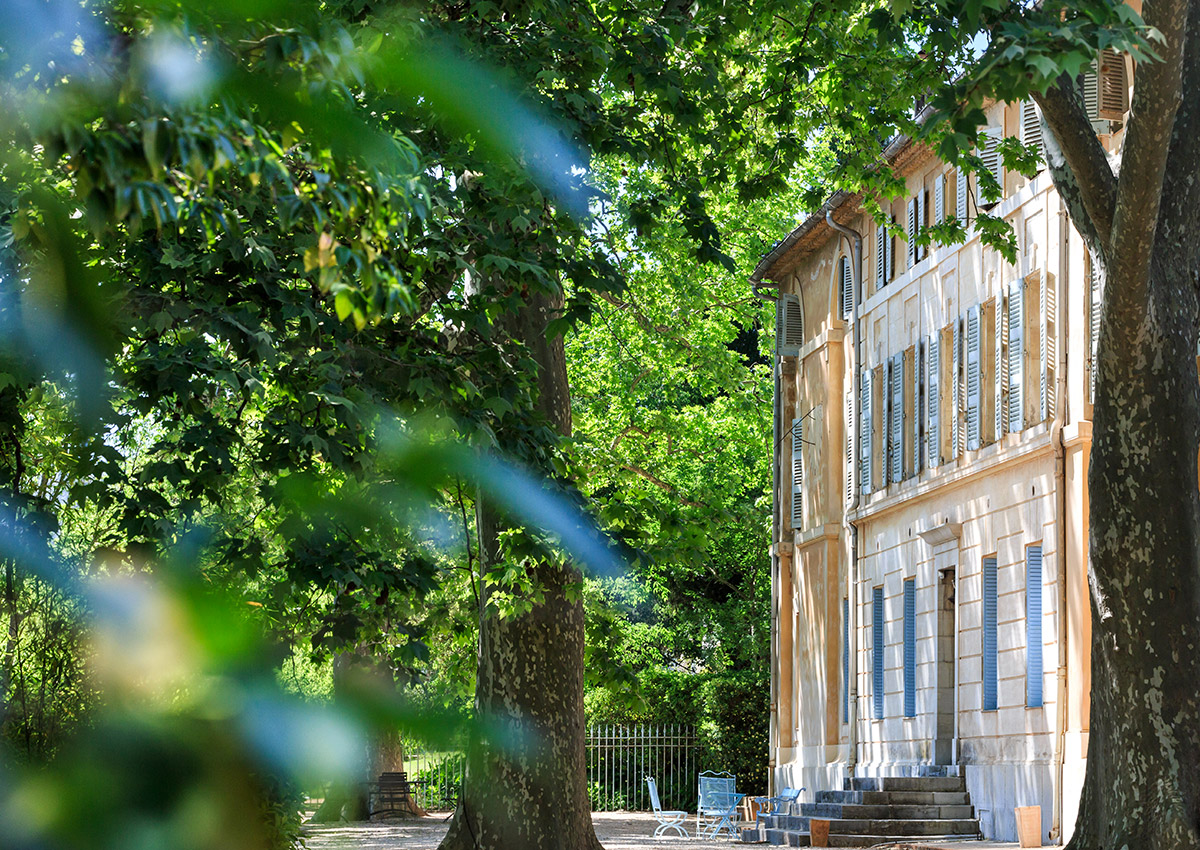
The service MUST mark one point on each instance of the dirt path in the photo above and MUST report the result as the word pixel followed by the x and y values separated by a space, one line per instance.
pixel 616 831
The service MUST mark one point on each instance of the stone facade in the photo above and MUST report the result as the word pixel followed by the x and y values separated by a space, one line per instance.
pixel 965 489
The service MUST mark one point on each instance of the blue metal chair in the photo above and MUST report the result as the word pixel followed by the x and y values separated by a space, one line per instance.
pixel 666 819
pixel 717 802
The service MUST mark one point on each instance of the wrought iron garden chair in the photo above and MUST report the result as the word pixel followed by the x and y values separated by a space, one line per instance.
pixel 666 819
pixel 716 808
pixel 781 802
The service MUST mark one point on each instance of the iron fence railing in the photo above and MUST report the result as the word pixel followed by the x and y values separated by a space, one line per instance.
pixel 619 758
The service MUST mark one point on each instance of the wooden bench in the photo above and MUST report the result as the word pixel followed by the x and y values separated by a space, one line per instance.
pixel 392 794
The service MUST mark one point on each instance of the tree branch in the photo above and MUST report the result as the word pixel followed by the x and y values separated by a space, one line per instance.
pixel 663 485
pixel 1156 99
pixel 1078 163
pixel 1179 216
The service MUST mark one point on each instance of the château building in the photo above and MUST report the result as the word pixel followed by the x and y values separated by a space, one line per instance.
pixel 930 602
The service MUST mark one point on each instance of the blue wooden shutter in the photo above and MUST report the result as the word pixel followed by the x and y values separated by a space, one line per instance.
pixel 990 674
pixel 847 290
pixel 797 474
pixel 962 190
pixel 864 434
pixel 1049 363
pixel 1031 130
pixel 881 263
pixel 933 401
pixel 911 237
pixel 974 382
pixel 877 651
pixel 889 252
pixel 1000 406
pixel 910 648
pixel 789 325
pixel 939 199
pixel 1016 356
pixel 918 454
pixel 922 221
pixel 845 660
pixel 956 401
pixel 1095 302
pixel 896 430
pixel 1033 626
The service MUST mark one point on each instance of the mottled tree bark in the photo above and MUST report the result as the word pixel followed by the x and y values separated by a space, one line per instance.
pixel 1142 227
pixel 526 780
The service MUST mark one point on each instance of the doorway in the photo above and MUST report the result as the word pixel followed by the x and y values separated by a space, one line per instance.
pixel 943 737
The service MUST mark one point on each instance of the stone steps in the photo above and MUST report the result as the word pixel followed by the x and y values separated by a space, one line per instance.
pixel 877 810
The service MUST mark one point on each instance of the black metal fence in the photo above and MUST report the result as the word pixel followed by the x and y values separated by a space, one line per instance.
pixel 619 758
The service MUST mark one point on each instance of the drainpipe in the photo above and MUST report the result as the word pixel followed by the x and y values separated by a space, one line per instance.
pixel 1060 480
pixel 856 284
pixel 773 733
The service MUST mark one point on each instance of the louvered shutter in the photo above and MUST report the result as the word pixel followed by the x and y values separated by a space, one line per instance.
pixel 989 152
pixel 881 263
pixel 845 660
pixel 864 434
pixel 847 290
pixel 974 384
pixel 956 393
pixel 911 240
pixel 1031 128
pixel 910 648
pixel 918 389
pixel 1033 626
pixel 962 190
pixel 933 401
pixel 797 474
pixel 990 673
pixel 1016 356
pixel 789 325
pixel 1114 86
pixel 922 222
pixel 939 199
pixel 877 651
pixel 1046 351
pixel 896 431
pixel 1090 90
pixel 849 446
pixel 1095 302
pixel 1001 368
pixel 889 252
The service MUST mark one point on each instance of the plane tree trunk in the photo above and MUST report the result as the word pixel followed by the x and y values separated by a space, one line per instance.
pixel 1141 225
pixel 526 778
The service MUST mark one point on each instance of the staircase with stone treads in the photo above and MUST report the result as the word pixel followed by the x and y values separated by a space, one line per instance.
pixel 877 810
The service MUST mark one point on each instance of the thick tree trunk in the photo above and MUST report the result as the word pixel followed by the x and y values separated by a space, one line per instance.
pixel 526 780
pixel 1142 786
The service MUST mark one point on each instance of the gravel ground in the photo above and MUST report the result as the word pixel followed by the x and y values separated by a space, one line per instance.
pixel 616 831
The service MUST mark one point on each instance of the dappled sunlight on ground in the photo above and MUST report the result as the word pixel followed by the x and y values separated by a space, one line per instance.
pixel 616 830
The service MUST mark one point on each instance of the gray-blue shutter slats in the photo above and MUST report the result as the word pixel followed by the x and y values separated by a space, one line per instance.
pixel 789 325
pixel 933 401
pixel 797 474
pixel 990 672
pixel 845 660
pixel 962 191
pixel 889 252
pixel 1046 350
pixel 922 353
pixel 864 426
pixel 1016 356
pixel 1033 626
pixel 910 240
pixel 910 648
pixel 956 401
pixel 881 263
pixel 974 380
pixel 846 290
pixel 1000 384
pixel 896 428
pixel 877 651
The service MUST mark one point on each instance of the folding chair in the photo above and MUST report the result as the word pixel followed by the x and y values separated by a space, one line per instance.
pixel 666 819
pixel 716 808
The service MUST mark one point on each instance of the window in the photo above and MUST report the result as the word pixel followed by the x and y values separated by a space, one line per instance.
pixel 910 648
pixel 993 163
pixel 974 380
pixel 864 446
pixel 879 426
pixel 1033 626
pixel 877 651
pixel 845 660
pixel 896 417
pixel 918 220
pixel 990 674
pixel 797 474
pixel 845 289
pixel 789 325
pixel 933 400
